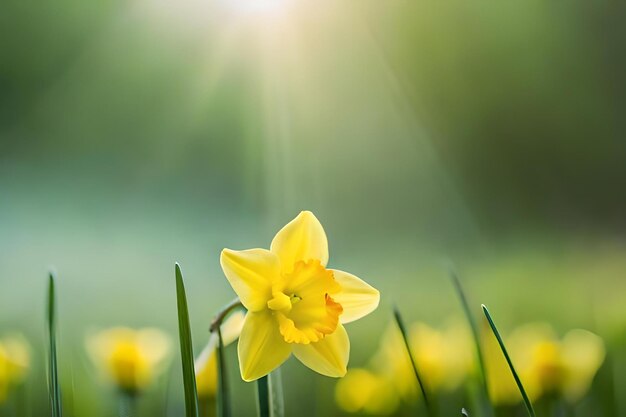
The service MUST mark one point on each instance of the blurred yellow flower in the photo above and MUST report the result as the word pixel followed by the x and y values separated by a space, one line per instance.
pixel 295 304
pixel 130 358
pixel 444 357
pixel 206 363
pixel 546 364
pixel 500 382
pixel 393 362
pixel 14 363
pixel 365 391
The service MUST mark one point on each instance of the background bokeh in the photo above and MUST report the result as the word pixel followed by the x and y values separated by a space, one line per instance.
pixel 422 134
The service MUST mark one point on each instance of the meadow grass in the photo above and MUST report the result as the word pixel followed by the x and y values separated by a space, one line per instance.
pixel 186 348
pixel 486 405
pixel 53 374
pixel 518 381
pixel 430 406
pixel 269 388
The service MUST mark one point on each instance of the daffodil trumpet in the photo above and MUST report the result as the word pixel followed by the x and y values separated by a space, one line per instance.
pixel 295 304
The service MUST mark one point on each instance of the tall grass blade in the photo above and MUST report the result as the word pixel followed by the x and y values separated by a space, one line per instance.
pixel 186 348
pixel 520 386
pixel 223 399
pixel 263 396
pixel 53 375
pixel 476 336
pixel 429 405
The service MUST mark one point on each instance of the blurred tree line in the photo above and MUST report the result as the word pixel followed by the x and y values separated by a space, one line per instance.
pixel 523 103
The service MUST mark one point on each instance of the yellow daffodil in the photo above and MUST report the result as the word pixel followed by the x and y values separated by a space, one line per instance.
pixel 548 365
pixel 365 391
pixel 444 357
pixel 500 382
pixel 130 358
pixel 14 363
pixel 295 303
pixel 388 380
pixel 394 363
pixel 206 364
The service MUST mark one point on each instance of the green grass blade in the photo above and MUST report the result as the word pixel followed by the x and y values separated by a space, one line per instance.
pixel 223 399
pixel 263 396
pixel 53 375
pixel 429 405
pixel 476 336
pixel 520 386
pixel 186 348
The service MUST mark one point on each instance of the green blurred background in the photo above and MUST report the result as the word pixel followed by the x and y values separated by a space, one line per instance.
pixel 136 134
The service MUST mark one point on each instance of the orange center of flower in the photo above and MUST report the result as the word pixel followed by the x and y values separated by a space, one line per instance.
pixel 302 303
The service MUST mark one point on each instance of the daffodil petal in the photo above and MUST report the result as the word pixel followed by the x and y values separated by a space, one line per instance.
pixel 583 353
pixel 206 353
pixel 206 377
pixel 329 356
pixel 206 369
pixel 354 390
pixel 14 361
pixel 154 344
pixel 357 297
pixel 231 328
pixel 302 239
pixel 251 273
pixel 261 346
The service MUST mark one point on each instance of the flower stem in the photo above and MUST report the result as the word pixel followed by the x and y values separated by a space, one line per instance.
pixel 127 405
pixel 217 321
pixel 207 407
pixel 275 381
pixel 263 396
pixel 223 399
